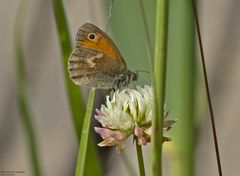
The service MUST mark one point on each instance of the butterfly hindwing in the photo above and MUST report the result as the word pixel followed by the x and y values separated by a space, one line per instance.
pixel 92 68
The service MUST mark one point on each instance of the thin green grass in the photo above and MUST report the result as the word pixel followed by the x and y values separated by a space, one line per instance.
pixel 21 85
pixel 181 74
pixel 74 94
pixel 148 38
pixel 75 97
pixel 82 153
pixel 159 87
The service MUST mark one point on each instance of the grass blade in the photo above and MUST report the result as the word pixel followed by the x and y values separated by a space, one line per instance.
pixel 82 153
pixel 75 97
pixel 74 94
pixel 181 74
pixel 21 92
pixel 159 87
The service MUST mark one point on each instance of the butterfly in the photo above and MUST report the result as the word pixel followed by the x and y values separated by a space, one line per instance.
pixel 96 61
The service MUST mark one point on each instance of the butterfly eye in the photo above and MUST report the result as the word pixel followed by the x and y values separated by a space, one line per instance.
pixel 91 36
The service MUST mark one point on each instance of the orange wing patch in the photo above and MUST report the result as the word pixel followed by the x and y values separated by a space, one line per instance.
pixel 104 46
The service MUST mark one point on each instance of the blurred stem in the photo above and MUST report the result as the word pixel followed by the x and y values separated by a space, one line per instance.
pixel 81 161
pixel 140 159
pixel 159 87
pixel 150 51
pixel 207 88
pixel 74 93
pixel 76 104
pixel 21 80
pixel 181 74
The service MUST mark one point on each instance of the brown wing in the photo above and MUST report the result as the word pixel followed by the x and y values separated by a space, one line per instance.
pixel 93 68
pixel 101 42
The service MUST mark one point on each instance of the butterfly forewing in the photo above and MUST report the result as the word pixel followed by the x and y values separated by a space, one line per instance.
pixel 103 44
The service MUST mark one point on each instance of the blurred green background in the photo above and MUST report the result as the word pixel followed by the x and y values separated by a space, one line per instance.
pixel 191 152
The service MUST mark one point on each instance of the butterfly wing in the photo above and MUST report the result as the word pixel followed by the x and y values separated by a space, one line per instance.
pixel 101 42
pixel 93 68
pixel 96 61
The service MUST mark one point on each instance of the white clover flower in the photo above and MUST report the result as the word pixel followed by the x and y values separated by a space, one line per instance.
pixel 128 112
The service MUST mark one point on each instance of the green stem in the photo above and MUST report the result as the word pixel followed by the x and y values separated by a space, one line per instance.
pixel 74 94
pixel 76 104
pixel 29 130
pixel 181 74
pixel 159 87
pixel 140 159
pixel 82 153
pixel 21 92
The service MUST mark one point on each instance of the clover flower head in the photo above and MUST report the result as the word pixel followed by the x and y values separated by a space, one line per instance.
pixel 128 112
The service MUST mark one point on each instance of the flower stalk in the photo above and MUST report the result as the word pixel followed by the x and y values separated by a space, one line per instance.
pixel 140 159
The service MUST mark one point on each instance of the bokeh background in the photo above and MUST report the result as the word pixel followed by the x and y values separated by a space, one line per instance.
pixel 55 135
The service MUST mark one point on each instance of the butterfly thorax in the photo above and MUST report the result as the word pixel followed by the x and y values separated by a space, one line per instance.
pixel 125 79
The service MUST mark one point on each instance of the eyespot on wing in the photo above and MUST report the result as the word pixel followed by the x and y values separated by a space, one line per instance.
pixel 100 42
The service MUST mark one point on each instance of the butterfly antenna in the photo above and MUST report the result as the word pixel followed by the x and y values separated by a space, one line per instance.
pixel 143 71
pixel 109 15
